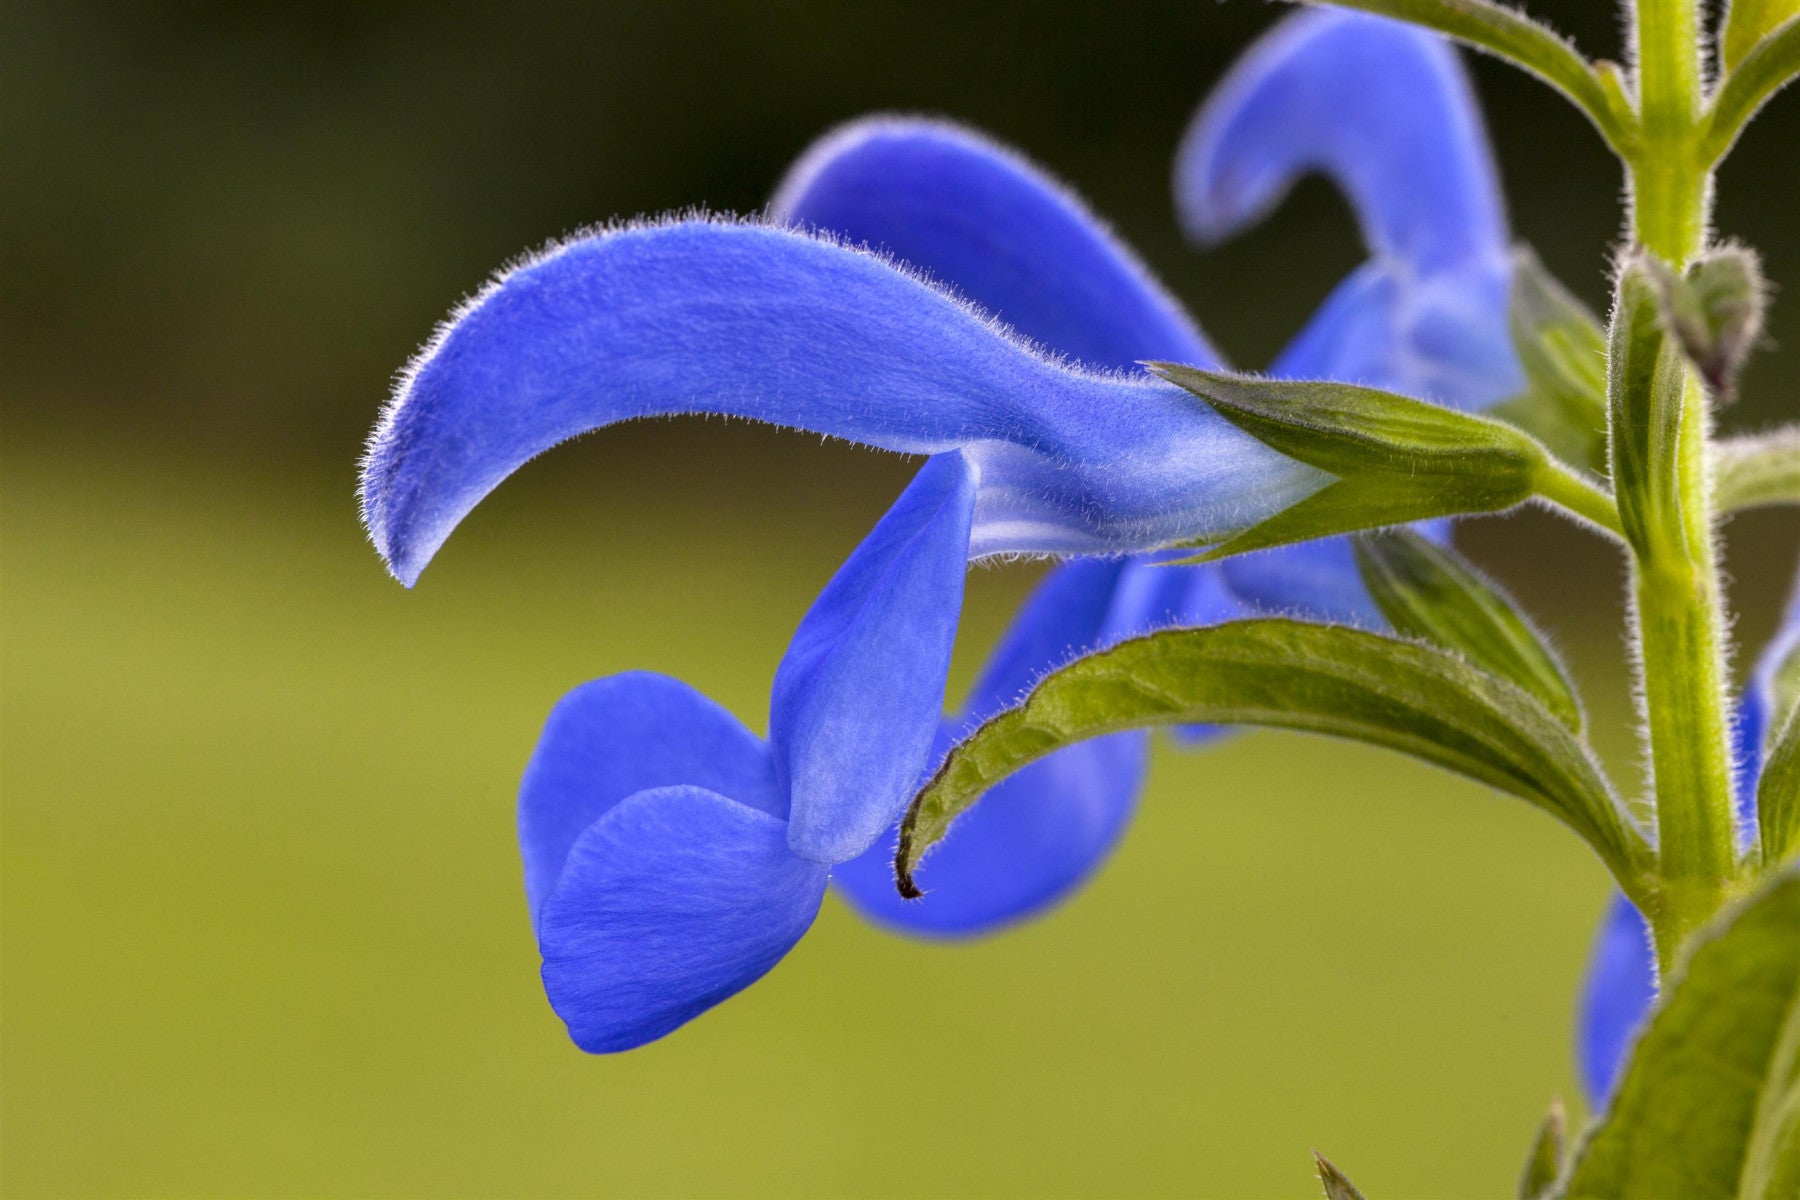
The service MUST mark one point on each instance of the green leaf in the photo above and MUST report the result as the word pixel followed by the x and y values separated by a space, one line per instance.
pixel 1398 460
pixel 1430 592
pixel 1544 1164
pixel 1749 472
pixel 1709 1105
pixel 1645 407
pixel 1748 22
pixel 1518 39
pixel 1768 67
pixel 1715 311
pixel 1778 792
pixel 1337 1185
pixel 1562 349
pixel 1291 675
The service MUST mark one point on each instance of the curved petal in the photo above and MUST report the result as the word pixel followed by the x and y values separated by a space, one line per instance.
pixel 985 221
pixel 1620 988
pixel 1040 833
pixel 744 320
pixel 857 697
pixel 1382 108
pixel 1386 112
pixel 610 738
pixel 674 900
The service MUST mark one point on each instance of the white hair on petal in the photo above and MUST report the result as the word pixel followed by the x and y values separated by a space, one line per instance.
pixel 406 378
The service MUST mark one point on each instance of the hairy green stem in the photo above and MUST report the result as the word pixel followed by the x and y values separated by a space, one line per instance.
pixel 1670 189
pixel 1676 596
pixel 1565 488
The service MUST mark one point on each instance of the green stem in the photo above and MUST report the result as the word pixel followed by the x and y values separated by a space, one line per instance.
pixel 1565 488
pixel 1671 191
pixel 1676 595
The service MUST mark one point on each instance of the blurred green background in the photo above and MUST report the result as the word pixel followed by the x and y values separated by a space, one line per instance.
pixel 260 914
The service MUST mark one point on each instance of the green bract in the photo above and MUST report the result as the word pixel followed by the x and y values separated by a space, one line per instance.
pixel 1645 408
pixel 1562 350
pixel 1396 459
pixel 1715 311
pixel 1429 592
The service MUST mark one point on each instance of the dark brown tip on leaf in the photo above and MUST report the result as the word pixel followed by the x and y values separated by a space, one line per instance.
pixel 903 879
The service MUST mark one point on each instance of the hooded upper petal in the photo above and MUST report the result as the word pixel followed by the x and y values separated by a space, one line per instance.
pixel 857 697
pixel 1386 112
pixel 674 900
pixel 995 228
pixel 745 320
pixel 610 738
pixel 1381 107
pixel 1038 834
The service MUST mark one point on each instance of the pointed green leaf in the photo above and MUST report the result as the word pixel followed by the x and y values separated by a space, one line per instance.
pixel 1709 1105
pixel 1748 22
pixel 1715 311
pixel 1645 407
pixel 1337 1185
pixel 1778 792
pixel 1292 675
pixel 1544 1164
pixel 1562 349
pixel 1432 593
pixel 1749 472
pixel 1397 459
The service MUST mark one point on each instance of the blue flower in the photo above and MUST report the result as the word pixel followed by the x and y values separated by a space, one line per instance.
pixel 1621 981
pixel 924 291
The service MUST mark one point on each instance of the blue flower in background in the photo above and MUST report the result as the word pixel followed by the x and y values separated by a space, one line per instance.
pixel 1621 983
pixel 921 290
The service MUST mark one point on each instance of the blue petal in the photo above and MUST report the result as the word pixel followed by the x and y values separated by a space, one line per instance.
pixel 745 320
pixel 674 900
pixel 613 737
pixel 1386 112
pixel 983 220
pixel 1441 337
pixel 1316 580
pixel 1037 835
pixel 1151 596
pixel 1620 988
pixel 857 697
pixel 1382 108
